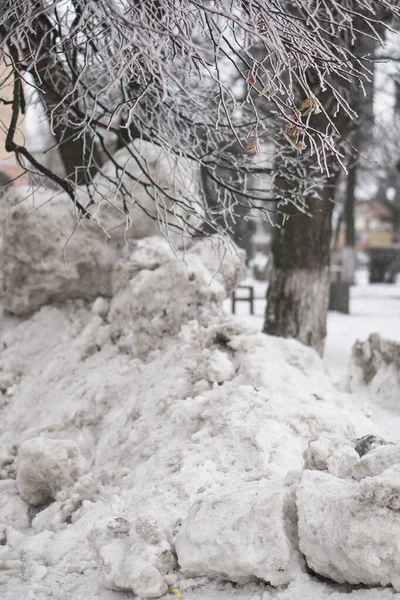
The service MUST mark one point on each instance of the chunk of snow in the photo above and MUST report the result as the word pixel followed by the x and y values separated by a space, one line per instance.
pixel 384 489
pixel 318 452
pixel 39 264
pixel 132 556
pixel 377 460
pixel 100 307
pixel 242 535
pixel 46 466
pixel 343 461
pixel 343 535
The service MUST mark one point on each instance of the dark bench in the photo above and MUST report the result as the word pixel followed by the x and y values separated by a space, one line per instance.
pixel 249 298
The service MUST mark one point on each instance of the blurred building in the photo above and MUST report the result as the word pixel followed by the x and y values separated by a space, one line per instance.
pixel 33 132
pixel 373 224
pixel 8 163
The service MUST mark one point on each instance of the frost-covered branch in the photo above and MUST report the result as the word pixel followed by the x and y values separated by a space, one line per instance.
pixel 194 78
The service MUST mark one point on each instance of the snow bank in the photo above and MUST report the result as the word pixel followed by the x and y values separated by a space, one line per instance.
pixel 375 368
pixel 189 423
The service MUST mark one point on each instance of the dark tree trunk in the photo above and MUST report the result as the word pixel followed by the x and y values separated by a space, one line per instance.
pixel 298 292
pixel 349 205
pixel 79 154
pixel 80 157
pixel 348 253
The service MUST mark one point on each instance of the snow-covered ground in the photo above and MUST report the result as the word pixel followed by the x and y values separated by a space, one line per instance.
pixel 373 308
pixel 152 445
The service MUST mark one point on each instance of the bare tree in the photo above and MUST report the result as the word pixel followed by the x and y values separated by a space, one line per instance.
pixel 196 79
pixel 109 71
pixel 298 293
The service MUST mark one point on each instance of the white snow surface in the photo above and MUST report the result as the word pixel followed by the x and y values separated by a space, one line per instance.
pixel 178 435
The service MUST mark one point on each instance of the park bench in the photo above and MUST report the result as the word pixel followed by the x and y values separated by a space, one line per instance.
pixel 250 297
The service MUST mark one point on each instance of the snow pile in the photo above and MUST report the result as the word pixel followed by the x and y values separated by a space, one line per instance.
pixel 149 440
pixel 375 368
pixel 348 513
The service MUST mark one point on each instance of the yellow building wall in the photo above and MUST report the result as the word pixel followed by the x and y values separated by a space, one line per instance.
pixel 8 163
pixel 369 239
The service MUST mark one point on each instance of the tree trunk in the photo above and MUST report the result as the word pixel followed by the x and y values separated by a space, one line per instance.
pixel 298 291
pixel 78 151
pixel 348 254
pixel 350 233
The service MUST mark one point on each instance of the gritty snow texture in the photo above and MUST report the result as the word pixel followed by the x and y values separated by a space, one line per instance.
pixel 192 427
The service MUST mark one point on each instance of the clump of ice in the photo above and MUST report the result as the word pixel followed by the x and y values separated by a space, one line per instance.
pixel 46 466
